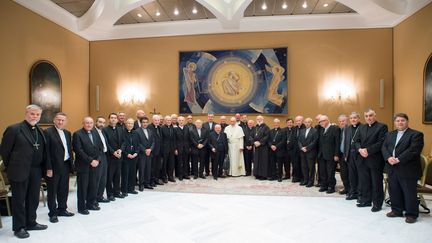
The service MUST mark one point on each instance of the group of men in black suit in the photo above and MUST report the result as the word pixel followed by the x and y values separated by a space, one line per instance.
pixel 126 153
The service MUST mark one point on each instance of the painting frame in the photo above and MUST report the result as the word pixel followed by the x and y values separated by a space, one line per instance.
pixel 427 91
pixel 45 84
pixel 267 70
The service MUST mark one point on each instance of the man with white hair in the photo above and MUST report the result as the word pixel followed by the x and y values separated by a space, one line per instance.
pixel 168 148
pixel 156 164
pixel 199 139
pixel 248 146
pixel 235 148
pixel 261 158
pixel 223 123
pixel 277 144
pixel 25 154
pixel 297 175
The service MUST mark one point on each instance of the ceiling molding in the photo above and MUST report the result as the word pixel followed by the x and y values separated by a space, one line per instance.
pixel 98 22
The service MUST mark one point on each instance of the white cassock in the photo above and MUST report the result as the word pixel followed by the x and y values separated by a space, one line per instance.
pixel 235 143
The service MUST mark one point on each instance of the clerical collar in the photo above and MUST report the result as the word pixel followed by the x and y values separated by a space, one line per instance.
pixel 402 130
pixel 372 124
pixel 113 127
pixel 30 125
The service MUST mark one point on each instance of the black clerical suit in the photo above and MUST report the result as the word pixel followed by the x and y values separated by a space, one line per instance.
pixel 199 154
pixel 248 153
pixel 291 147
pixel 183 148
pixel 371 168
pixel 87 146
pixel 209 126
pixel 168 147
pixel 145 141
pixel 403 176
pixel 261 156
pixel 350 156
pixel 328 148
pixel 277 138
pixel 25 157
pixel 343 164
pixel 60 155
pixel 115 136
pixel 129 174
pixel 219 147
pixel 157 153
pixel 297 175
pixel 308 158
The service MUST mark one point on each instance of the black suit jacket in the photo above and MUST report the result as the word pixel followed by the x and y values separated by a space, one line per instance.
pixel 182 139
pixel 114 139
pixel 261 134
pixel 168 139
pixel 278 138
pixel 329 143
pixel 195 139
pixel 291 139
pixel 248 136
pixel 350 138
pixel 157 139
pixel 206 125
pixel 85 150
pixel 372 138
pixel 137 124
pixel 407 150
pixel 310 142
pixel 144 142
pixel 56 150
pixel 130 144
pixel 17 151
pixel 221 144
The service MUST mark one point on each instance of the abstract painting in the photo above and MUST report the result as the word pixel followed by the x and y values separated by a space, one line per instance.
pixel 234 81
pixel 45 89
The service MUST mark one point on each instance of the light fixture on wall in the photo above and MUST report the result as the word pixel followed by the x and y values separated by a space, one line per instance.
pixel 340 92
pixel 131 94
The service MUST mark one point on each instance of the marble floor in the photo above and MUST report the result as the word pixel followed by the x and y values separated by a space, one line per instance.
pixel 193 217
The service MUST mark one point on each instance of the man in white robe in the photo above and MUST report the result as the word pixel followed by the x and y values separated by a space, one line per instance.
pixel 235 148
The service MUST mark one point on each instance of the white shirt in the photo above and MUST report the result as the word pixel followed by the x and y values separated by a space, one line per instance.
pixel 398 137
pixel 307 132
pixel 63 139
pixel 103 140
pixel 145 132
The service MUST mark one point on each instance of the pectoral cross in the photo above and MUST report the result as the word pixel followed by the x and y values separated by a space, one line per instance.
pixel 36 145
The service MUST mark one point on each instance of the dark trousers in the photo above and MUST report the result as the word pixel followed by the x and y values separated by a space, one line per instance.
pixel 208 161
pixel 87 188
pixel 248 160
pixel 308 168
pixel 182 169
pixel 168 165
pixel 327 172
pixel 188 165
pixel 58 190
pixel 297 165
pixel 287 164
pixel 114 173
pixel 198 157
pixel 101 179
pixel 353 175
pixel 403 194
pixel 272 169
pixel 156 167
pixel 145 169
pixel 128 176
pixel 281 166
pixel 344 174
pixel 371 185
pixel 25 199
pixel 217 166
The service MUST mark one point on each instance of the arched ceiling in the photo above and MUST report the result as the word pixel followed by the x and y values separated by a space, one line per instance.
pixel 120 19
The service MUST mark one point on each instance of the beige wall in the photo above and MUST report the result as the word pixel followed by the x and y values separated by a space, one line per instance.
pixel 412 46
pixel 362 57
pixel 26 37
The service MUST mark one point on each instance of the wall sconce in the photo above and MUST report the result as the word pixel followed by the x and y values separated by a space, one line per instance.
pixel 340 92
pixel 131 94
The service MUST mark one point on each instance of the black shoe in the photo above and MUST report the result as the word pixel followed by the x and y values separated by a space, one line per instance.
pixel 286 178
pixel 280 180
pixel 202 177
pixel 294 180
pixel 133 192
pixel 351 197
pixel 111 198
pixel 171 180
pixel 165 181
pixel 84 212
pixel 181 178
pixel 37 227
pixel 119 195
pixel 318 185
pixel 148 187
pixel 376 209
pixel 141 188
pixel 410 220
pixel 153 185
pixel 159 182
pixel 309 185
pixel 343 192
pixel 330 191
pixel 65 214
pixel 103 200
pixel 322 189
pixel 186 177
pixel 96 204
pixel 195 177
pixel 53 219
pixel 362 205
pixel 222 176
pixel 215 178
pixel 94 208
pixel 393 214
pixel 303 183
pixel 22 234
pixel 125 194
